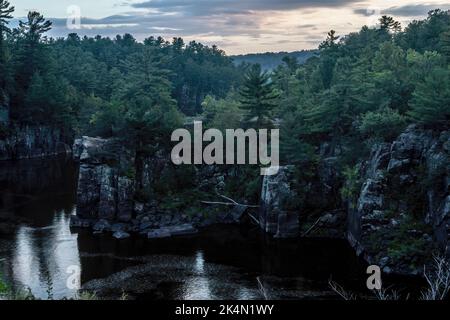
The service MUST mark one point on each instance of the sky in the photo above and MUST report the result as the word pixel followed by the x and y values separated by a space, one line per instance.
pixel 237 26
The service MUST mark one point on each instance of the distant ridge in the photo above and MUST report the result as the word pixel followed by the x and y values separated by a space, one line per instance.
pixel 271 60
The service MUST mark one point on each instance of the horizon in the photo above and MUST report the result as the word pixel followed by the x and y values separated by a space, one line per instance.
pixel 252 27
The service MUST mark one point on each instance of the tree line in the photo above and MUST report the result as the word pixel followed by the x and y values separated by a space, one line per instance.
pixel 101 86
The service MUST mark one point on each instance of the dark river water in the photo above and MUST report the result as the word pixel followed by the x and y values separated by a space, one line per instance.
pixel 222 262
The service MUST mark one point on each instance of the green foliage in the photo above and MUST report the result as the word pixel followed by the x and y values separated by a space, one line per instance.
pixel 6 292
pixel 107 87
pixel 431 99
pixel 222 114
pixel 385 124
pixel 352 185
pixel 364 88
pixel 186 201
pixel 405 245
pixel 401 242
pixel 175 179
pixel 87 296
pixel 269 61
pixel 4 289
pixel 426 35
pixel 244 184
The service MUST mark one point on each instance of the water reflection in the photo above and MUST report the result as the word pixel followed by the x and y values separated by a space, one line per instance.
pixel 40 193
pixel 42 257
pixel 197 287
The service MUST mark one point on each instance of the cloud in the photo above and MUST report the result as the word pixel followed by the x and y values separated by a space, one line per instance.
pixel 214 7
pixel 236 25
pixel 411 10
pixel 415 10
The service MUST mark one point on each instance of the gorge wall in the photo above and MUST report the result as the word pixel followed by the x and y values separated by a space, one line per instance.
pixel 401 214
pixel 114 197
pixel 395 211
pixel 27 142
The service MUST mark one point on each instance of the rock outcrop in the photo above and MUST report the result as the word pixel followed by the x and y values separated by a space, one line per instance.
pixel 402 212
pixel 103 191
pixel 29 142
pixel 276 216
pixel 113 197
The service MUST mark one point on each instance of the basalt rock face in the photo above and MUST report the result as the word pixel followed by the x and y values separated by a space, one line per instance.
pixel 104 192
pixel 117 194
pixel 29 142
pixel 402 212
pixel 305 200
pixel 276 217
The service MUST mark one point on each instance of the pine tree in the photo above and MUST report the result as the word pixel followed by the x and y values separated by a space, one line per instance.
pixel 329 51
pixel 431 99
pixel 330 42
pixel 34 27
pixel 258 97
pixel 6 11
pixel 31 57
pixel 389 24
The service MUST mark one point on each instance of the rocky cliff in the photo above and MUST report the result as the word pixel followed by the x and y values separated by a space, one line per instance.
pixel 276 217
pixel 395 210
pixel 114 196
pixel 402 212
pixel 29 142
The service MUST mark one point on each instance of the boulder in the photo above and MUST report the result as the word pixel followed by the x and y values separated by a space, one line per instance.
pixel 172 231
pixel 102 226
pixel 121 235
pixel 158 234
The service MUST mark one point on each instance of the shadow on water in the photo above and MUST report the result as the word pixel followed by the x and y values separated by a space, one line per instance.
pixel 222 262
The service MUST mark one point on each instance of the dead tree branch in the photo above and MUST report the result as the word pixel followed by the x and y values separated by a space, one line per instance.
pixel 312 227
pixel 230 202
pixel 262 289
pixel 438 280
pixel 341 291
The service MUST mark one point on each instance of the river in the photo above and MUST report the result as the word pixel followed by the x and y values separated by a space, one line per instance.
pixel 223 262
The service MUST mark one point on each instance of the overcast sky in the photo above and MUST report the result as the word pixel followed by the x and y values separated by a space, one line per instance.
pixel 238 26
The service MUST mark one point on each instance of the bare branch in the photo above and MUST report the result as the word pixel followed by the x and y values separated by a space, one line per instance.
pixel 438 280
pixel 312 227
pixel 341 291
pixel 262 289
pixel 229 199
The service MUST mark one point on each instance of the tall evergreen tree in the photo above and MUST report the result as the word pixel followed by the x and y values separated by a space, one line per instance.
pixel 6 11
pixel 329 51
pixel 390 24
pixel 258 97
pixel 30 58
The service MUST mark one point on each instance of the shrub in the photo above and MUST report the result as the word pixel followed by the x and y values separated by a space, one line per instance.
pixel 385 124
pixel 352 185
pixel 431 99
